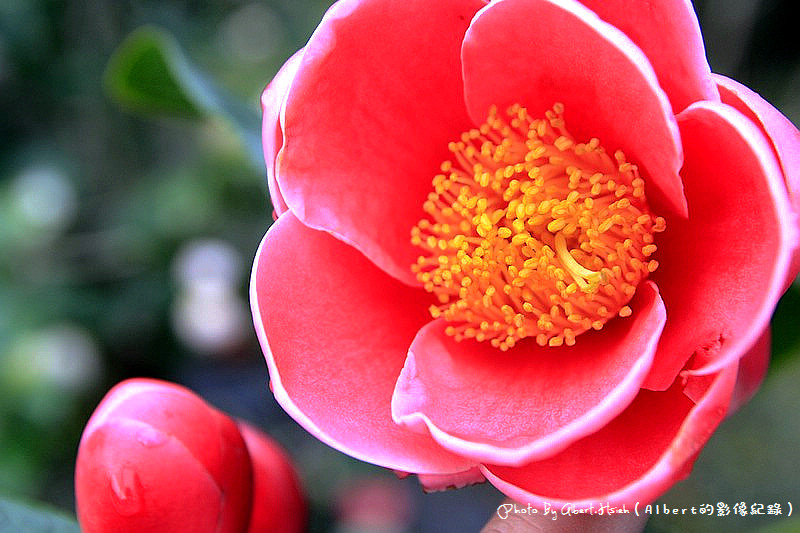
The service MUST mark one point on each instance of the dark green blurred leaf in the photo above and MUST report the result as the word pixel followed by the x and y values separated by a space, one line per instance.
pixel 16 517
pixel 141 75
pixel 150 74
pixel 785 333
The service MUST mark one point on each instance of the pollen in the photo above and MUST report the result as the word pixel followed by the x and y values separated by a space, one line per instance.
pixel 530 233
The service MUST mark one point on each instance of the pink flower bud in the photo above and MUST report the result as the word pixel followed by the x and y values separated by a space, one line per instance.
pixel 155 457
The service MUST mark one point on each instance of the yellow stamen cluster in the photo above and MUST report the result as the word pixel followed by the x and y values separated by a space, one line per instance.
pixel 532 234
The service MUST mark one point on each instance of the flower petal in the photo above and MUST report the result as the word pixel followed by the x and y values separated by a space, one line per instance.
pixel 540 52
pixel 279 504
pixel 122 485
pixel 156 403
pixel 782 134
pixel 530 402
pixel 722 269
pixel 335 330
pixel 752 370
pixel 669 34
pixel 635 458
pixel 376 99
pixel 272 100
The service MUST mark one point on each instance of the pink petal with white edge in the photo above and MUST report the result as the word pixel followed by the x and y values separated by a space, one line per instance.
pixel 530 402
pixel 782 134
pixel 669 34
pixel 540 52
pixel 368 117
pixel 272 100
pixel 435 483
pixel 635 458
pixel 722 269
pixel 335 330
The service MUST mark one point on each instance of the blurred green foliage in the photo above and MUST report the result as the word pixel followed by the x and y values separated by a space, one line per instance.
pixel 142 75
pixel 150 74
pixel 131 136
pixel 119 150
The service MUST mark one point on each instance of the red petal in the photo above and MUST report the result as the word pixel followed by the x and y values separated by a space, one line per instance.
pixel 531 402
pixel 176 411
pixel 537 53
pixel 272 100
pixel 635 458
pixel 752 369
pixel 376 99
pixel 335 330
pixel 782 134
pixel 669 34
pixel 124 486
pixel 278 502
pixel 722 269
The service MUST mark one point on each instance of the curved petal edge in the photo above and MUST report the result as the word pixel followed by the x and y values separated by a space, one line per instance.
pixel 673 461
pixel 337 382
pixel 478 414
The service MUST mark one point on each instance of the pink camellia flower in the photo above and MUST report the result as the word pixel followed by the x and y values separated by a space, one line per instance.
pixel 531 241
pixel 155 457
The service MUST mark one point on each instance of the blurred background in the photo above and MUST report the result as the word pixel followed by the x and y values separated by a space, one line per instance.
pixel 129 221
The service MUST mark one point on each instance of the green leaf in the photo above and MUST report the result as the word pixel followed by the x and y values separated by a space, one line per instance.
pixel 150 74
pixel 17 516
pixel 785 333
pixel 141 75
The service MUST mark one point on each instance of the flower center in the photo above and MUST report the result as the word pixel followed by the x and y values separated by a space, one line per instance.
pixel 531 234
